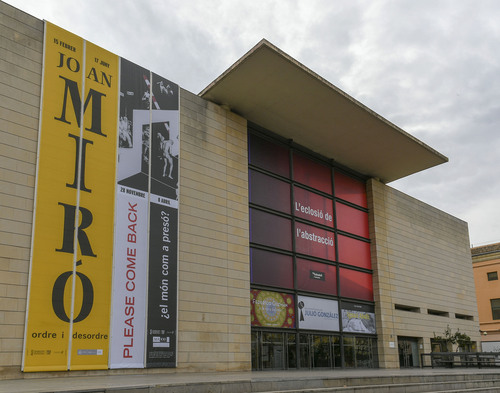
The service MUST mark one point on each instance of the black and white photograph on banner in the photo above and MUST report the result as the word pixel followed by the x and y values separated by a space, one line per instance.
pixel 147 198
pixel 146 135
pixel 164 161
pixel 165 93
pixel 164 138
pixel 133 146
pixel 125 133
pixel 358 318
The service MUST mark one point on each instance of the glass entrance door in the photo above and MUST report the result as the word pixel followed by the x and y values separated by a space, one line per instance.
pixel 408 352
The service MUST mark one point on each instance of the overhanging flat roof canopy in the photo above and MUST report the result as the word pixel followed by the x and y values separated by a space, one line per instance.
pixel 273 90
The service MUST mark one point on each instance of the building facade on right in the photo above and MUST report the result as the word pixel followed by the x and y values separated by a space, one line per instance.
pixel 486 266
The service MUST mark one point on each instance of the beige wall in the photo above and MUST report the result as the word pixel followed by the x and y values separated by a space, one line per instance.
pixel 422 260
pixel 214 272
pixel 20 76
pixel 214 281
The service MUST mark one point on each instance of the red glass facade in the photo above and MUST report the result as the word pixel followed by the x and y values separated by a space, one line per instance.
pixel 309 239
pixel 316 277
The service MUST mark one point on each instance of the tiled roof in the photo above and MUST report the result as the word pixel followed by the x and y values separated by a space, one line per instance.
pixel 489 248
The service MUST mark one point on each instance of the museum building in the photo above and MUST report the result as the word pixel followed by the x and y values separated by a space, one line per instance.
pixel 248 227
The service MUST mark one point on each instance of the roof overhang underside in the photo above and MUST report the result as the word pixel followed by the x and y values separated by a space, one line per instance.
pixel 273 90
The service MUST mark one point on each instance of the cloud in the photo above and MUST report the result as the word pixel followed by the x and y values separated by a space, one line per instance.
pixel 430 67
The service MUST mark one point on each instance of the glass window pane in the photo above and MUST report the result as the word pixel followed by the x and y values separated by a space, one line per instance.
pixel 255 350
pixel 357 285
pixel 354 252
pixel 269 192
pixel 270 230
pixel 268 155
pixel 337 360
pixel 305 356
pixel 316 277
pixel 364 354
pixel 321 351
pixel 269 268
pixel 313 207
pixel 495 308
pixel 352 220
pixel 350 189
pixel 349 355
pixel 273 354
pixel 292 350
pixel 314 241
pixel 312 173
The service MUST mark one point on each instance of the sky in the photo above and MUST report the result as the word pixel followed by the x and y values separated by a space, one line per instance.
pixel 432 67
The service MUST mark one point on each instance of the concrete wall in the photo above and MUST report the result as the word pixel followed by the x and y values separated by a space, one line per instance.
pixel 422 261
pixel 214 278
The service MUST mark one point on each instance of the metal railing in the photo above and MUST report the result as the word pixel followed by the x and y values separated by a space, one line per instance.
pixel 460 359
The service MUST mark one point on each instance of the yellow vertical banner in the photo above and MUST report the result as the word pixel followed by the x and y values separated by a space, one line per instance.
pixel 70 274
pixel 47 334
pixel 90 335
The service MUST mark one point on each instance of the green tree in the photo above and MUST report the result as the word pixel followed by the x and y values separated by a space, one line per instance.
pixel 449 339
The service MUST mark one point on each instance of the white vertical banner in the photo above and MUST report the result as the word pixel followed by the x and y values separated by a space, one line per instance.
pixel 130 266
pixel 129 280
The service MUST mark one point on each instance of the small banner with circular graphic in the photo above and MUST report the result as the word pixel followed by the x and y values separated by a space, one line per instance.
pixel 272 309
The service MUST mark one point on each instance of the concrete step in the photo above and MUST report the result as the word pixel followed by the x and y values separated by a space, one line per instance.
pixel 339 381
pixel 481 390
pixel 479 385
pixel 441 384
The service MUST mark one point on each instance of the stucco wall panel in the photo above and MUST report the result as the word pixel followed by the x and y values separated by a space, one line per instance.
pixel 214 267
pixel 421 259
pixel 20 76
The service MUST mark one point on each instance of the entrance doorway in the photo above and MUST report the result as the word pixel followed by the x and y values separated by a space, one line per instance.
pixel 408 352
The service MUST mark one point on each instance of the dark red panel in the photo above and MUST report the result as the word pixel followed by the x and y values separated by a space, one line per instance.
pixel 313 207
pixel 354 252
pixel 357 285
pixel 316 277
pixel 350 189
pixel 268 155
pixel 312 173
pixel 315 242
pixel 269 268
pixel 270 230
pixel 352 220
pixel 269 192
